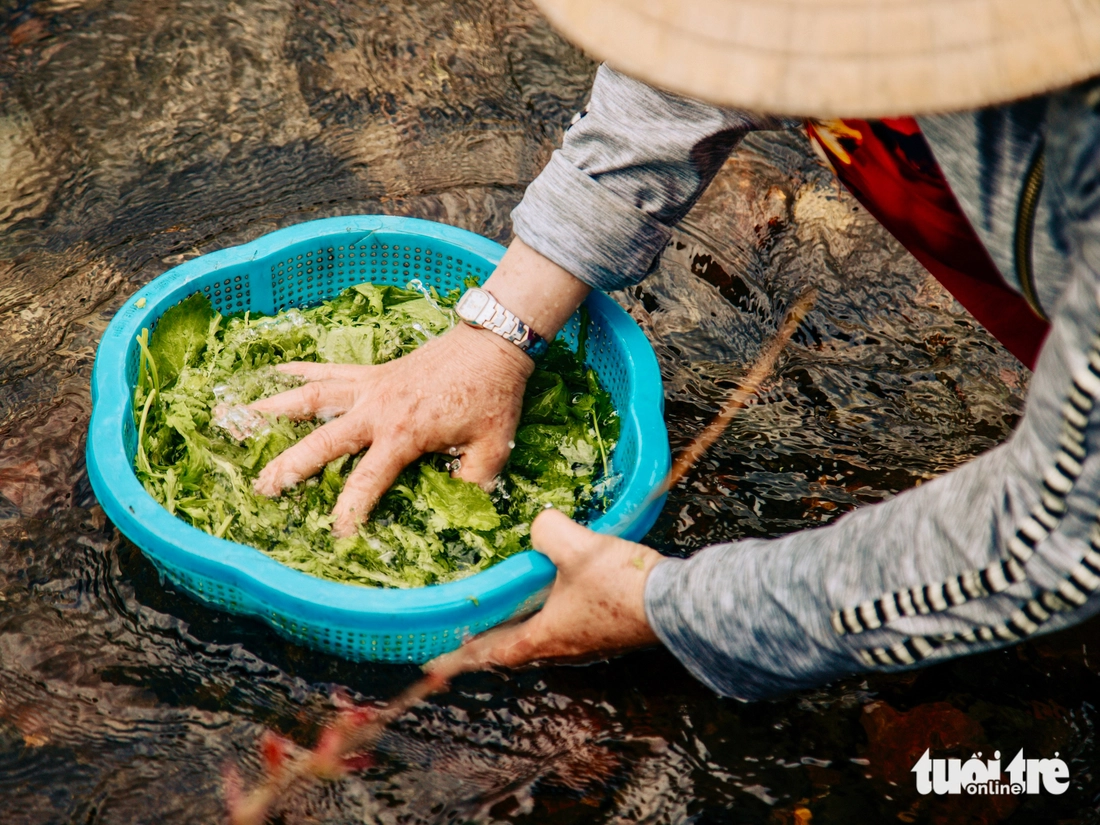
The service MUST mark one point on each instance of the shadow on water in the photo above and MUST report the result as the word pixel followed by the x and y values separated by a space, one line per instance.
pixel 136 135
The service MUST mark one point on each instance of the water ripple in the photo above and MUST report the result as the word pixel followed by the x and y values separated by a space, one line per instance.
pixel 136 135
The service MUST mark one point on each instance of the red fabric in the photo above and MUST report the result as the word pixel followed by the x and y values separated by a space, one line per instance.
pixel 890 169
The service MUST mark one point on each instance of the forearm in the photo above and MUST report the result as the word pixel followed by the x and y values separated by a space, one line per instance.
pixel 915 580
pixel 979 558
pixel 603 208
pixel 627 172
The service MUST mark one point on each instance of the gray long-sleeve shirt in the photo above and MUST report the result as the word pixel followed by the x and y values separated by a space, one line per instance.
pixel 999 549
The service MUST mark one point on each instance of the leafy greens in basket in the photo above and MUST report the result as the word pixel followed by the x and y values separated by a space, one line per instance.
pixel 429 527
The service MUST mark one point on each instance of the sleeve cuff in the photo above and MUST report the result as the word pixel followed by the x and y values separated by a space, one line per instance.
pixel 725 613
pixel 586 229
pixel 663 602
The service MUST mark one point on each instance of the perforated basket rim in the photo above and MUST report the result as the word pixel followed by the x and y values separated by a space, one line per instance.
pixel 280 588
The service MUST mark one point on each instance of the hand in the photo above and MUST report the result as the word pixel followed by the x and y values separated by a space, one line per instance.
pixel 595 608
pixel 461 394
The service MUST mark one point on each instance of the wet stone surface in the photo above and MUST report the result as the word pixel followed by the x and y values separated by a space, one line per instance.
pixel 137 135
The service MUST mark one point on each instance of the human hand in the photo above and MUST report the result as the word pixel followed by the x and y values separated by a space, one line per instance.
pixel 595 607
pixel 460 394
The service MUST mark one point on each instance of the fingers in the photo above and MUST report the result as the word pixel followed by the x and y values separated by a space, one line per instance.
pixel 340 437
pixel 482 462
pixel 504 647
pixel 375 473
pixel 312 371
pixel 561 539
pixel 324 399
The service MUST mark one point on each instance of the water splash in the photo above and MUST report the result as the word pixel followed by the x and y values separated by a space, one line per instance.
pixel 240 422
pixel 418 285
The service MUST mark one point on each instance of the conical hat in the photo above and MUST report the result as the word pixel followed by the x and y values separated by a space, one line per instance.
pixel 841 58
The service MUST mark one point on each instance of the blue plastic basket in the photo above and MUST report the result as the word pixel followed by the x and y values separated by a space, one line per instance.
pixel 304 265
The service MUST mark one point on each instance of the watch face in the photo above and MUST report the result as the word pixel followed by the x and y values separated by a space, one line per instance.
pixel 472 302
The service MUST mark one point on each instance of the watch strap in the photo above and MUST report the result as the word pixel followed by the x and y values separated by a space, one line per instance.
pixel 479 308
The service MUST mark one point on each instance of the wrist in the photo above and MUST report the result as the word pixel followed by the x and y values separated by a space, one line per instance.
pixel 488 351
pixel 480 309
pixel 645 559
pixel 536 290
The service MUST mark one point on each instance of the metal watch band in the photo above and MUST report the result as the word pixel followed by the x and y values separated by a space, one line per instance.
pixel 479 308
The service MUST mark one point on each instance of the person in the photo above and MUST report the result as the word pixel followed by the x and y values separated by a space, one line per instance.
pixel 1002 548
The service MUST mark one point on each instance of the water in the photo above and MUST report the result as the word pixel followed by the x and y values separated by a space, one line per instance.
pixel 135 135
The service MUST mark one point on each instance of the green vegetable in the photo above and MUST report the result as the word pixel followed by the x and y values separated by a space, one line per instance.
pixel 181 336
pixel 429 527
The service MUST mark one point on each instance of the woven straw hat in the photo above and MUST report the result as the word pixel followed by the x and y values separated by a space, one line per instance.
pixel 841 58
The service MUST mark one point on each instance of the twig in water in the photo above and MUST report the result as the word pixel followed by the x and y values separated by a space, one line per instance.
pixel 339 750
pixel 738 397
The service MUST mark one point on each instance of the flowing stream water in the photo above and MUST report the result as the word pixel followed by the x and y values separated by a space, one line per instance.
pixel 136 134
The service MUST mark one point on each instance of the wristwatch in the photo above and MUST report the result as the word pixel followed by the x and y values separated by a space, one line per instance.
pixel 478 308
